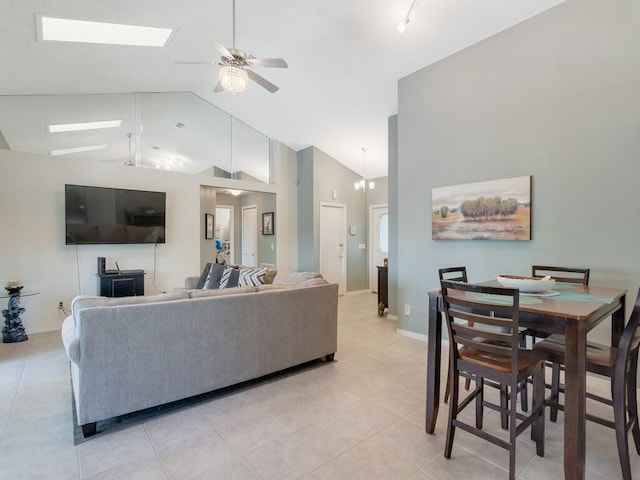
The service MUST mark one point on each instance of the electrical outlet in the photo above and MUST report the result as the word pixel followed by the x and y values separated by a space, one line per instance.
pixel 60 306
pixel 407 310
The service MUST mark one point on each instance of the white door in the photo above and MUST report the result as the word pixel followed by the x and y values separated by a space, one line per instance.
pixel 333 244
pixel 250 236
pixel 379 241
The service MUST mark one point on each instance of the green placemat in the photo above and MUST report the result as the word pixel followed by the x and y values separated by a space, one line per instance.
pixel 502 300
pixel 581 297
pixel 563 286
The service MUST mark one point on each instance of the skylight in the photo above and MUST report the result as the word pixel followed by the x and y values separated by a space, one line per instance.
pixel 76 127
pixel 67 30
pixel 87 148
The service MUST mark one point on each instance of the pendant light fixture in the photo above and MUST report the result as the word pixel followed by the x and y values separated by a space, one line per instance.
pixel 362 185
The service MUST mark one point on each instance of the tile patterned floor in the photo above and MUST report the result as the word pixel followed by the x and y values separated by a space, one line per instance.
pixel 360 417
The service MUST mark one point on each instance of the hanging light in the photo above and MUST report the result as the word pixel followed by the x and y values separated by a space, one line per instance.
pixel 402 26
pixel 233 78
pixel 362 184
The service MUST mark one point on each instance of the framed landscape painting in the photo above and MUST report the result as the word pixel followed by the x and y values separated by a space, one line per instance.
pixel 491 210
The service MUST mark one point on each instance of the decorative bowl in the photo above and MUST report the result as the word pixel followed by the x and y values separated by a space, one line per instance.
pixel 526 284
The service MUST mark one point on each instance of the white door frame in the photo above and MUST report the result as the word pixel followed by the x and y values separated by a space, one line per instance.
pixel 372 267
pixel 231 231
pixel 343 281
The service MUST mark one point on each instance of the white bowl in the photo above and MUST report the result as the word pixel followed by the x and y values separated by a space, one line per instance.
pixel 526 284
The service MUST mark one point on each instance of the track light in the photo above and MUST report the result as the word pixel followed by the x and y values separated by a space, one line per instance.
pixel 402 26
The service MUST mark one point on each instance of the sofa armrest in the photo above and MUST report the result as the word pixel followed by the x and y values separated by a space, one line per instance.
pixel 71 340
pixel 191 282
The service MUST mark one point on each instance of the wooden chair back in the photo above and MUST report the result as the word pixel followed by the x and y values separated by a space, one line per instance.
pixel 562 274
pixel 457 274
pixel 495 329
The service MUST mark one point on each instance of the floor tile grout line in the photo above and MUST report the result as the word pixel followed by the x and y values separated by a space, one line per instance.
pixel 155 450
pixel 13 408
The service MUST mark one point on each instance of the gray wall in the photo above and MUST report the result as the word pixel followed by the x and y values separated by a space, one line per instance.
pixel 306 226
pixel 555 97
pixel 393 215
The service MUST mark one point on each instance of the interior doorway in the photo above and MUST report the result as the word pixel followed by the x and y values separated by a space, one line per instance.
pixel 378 240
pixel 224 229
pixel 333 244
pixel 250 236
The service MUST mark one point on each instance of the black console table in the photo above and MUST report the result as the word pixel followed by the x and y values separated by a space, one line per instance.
pixel 121 283
pixel 383 290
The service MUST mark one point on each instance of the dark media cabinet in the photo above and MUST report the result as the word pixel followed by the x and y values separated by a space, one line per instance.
pixel 121 283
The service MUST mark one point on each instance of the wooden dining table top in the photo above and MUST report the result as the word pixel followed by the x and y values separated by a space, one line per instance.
pixel 561 307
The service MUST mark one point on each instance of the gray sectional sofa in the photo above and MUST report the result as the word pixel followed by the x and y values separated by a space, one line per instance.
pixel 132 353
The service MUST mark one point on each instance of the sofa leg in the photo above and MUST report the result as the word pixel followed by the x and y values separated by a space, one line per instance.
pixel 89 429
pixel 329 358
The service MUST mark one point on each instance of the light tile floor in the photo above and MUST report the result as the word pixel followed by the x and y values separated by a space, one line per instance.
pixel 360 417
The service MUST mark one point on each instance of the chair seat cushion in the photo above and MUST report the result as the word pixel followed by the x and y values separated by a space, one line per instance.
pixel 527 359
pixel 597 353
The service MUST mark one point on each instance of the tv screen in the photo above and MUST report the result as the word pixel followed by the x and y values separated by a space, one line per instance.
pixel 95 215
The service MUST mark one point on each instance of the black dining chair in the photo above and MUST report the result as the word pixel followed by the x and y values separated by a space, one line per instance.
pixel 620 365
pixel 490 351
pixel 577 275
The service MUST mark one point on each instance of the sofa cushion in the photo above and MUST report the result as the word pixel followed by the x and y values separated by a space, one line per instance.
pixel 215 277
pixel 294 278
pixel 138 300
pixel 269 276
pixel 269 286
pixel 229 277
pixel 70 340
pixel 91 301
pixel 204 276
pixel 220 292
pixel 251 276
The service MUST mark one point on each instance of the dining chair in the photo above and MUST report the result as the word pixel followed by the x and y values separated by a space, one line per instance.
pixel 578 275
pixel 490 351
pixel 456 274
pixel 620 365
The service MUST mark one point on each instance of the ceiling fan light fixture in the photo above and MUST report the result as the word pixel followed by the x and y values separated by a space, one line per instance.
pixel 402 26
pixel 233 79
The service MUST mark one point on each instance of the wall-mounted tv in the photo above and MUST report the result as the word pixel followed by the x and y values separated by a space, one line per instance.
pixel 96 215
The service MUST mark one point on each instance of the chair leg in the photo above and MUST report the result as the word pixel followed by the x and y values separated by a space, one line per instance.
pixel 555 392
pixel 619 415
pixel 524 400
pixel 537 408
pixel 632 399
pixel 453 413
pixel 479 402
pixel 513 426
pixel 504 406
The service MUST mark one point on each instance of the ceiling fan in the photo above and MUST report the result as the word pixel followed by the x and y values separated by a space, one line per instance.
pixel 236 67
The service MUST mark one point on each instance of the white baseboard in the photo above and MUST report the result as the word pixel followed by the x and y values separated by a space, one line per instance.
pixel 357 291
pixel 414 335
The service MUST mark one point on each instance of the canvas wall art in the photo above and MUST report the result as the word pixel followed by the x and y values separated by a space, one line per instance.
pixel 491 210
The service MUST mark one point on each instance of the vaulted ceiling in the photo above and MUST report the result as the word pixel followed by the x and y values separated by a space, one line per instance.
pixel 345 58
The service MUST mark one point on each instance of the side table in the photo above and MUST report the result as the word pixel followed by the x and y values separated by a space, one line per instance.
pixel 13 330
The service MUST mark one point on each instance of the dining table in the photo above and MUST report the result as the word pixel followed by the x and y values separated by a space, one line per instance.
pixel 571 310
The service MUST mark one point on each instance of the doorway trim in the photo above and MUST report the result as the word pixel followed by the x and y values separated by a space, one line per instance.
pixel 372 267
pixel 343 282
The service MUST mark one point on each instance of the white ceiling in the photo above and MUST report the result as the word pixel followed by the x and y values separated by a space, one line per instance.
pixel 345 58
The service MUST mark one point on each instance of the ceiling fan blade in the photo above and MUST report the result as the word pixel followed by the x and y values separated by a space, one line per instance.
pixel 193 63
pixel 224 51
pixel 263 82
pixel 268 62
pixel 218 88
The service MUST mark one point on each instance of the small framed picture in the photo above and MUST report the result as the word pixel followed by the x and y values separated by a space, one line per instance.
pixel 208 226
pixel 267 223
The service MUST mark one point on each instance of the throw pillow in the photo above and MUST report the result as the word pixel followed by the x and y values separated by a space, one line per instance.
pixel 205 276
pixel 251 276
pixel 229 277
pixel 215 277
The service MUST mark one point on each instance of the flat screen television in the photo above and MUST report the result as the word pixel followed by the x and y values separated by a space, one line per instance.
pixel 97 215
